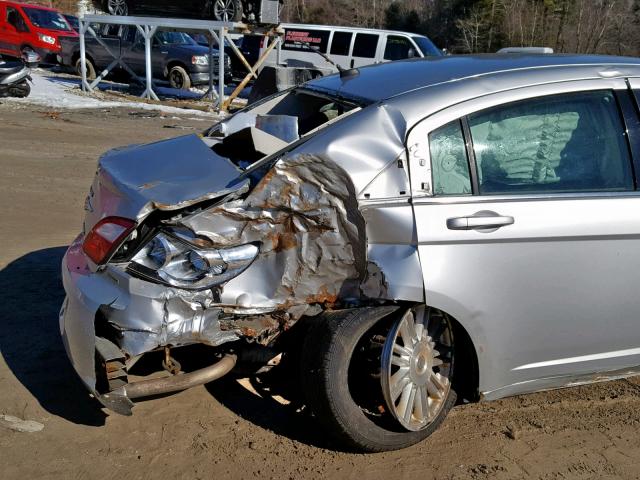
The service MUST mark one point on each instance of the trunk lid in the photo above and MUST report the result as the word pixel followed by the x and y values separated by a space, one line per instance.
pixel 134 181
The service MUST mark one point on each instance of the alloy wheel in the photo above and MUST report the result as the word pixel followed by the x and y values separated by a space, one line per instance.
pixel 118 7
pixel 224 10
pixel 415 375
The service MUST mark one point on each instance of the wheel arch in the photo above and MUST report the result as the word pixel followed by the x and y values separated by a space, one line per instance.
pixel 26 45
pixel 76 56
pixel 476 365
pixel 466 374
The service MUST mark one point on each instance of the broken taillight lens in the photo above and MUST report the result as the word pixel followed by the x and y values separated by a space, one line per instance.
pixel 105 237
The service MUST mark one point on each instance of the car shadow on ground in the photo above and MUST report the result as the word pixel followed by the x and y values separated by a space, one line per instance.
pixel 30 340
pixel 272 402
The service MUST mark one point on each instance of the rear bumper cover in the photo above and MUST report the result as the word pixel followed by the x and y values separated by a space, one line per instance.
pixel 143 316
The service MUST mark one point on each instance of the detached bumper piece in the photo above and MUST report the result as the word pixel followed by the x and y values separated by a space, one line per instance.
pixel 112 378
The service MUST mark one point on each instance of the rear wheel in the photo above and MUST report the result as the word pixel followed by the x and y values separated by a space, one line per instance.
pixel 379 380
pixel 91 70
pixel 227 10
pixel 21 90
pixel 179 78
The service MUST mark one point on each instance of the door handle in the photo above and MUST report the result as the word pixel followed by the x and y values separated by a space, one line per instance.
pixel 487 221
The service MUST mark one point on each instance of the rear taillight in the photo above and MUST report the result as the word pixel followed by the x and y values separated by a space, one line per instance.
pixel 105 237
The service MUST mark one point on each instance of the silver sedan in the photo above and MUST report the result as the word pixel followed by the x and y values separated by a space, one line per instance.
pixel 439 230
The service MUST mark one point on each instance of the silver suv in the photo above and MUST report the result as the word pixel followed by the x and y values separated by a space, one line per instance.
pixel 409 234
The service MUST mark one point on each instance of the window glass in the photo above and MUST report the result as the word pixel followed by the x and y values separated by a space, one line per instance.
pixel 398 48
pixel 132 35
pixel 562 143
pixel 303 39
pixel 427 47
pixel 46 19
pixel 112 30
pixel 15 18
pixel 341 43
pixel 365 45
pixel 449 161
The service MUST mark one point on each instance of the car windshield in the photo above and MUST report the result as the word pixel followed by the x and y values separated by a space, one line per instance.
pixel 427 47
pixel 46 19
pixel 73 21
pixel 174 38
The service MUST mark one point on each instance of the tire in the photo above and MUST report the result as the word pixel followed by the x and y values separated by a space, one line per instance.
pixel 329 350
pixel 21 90
pixel 179 78
pixel 116 7
pixel 91 70
pixel 226 10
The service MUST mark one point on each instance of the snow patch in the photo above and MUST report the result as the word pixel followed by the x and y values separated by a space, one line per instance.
pixel 62 93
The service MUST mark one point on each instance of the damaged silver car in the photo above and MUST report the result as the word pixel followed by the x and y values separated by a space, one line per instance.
pixel 449 229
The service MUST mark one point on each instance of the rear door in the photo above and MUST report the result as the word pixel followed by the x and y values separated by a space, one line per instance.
pixel 110 36
pixel 528 225
pixel 133 50
pixel 365 48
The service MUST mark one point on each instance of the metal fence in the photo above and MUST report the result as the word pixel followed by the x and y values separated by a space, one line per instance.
pixel 217 32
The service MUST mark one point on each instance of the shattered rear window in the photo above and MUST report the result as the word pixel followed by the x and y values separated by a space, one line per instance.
pixel 270 126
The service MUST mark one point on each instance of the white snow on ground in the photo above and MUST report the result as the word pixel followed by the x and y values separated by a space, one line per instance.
pixel 59 92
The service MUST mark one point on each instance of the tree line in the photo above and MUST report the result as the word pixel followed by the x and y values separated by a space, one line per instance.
pixel 476 26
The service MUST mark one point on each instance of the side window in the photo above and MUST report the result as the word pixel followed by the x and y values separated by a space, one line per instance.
pixel 15 18
pixel 561 143
pixel 132 35
pixel 341 43
pixel 112 30
pixel 365 45
pixel 398 48
pixel 449 164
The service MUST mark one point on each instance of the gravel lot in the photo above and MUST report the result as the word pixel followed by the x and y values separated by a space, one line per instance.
pixel 225 430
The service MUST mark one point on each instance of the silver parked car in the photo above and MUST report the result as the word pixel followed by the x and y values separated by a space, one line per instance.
pixel 436 230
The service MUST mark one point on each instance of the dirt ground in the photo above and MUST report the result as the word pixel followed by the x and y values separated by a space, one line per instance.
pixel 223 430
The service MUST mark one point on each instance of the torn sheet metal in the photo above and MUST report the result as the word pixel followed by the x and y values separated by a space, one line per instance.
pixel 364 145
pixel 165 316
pixel 313 240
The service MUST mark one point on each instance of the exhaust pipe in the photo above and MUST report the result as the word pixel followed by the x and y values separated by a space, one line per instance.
pixel 119 400
pixel 176 383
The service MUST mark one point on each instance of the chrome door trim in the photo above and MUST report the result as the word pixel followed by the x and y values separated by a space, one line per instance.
pixel 522 197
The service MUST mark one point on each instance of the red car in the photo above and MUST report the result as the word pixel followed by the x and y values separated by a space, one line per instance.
pixel 25 27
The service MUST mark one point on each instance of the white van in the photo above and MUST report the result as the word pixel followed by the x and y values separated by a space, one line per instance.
pixel 347 46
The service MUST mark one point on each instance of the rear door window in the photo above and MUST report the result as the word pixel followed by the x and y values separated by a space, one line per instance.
pixel 341 43
pixel 561 143
pixel 365 45
pixel 449 161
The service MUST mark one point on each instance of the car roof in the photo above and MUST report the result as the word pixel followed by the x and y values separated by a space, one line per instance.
pixel 349 29
pixel 392 79
pixel 30 5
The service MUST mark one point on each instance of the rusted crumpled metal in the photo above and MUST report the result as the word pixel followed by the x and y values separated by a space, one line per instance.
pixel 305 214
